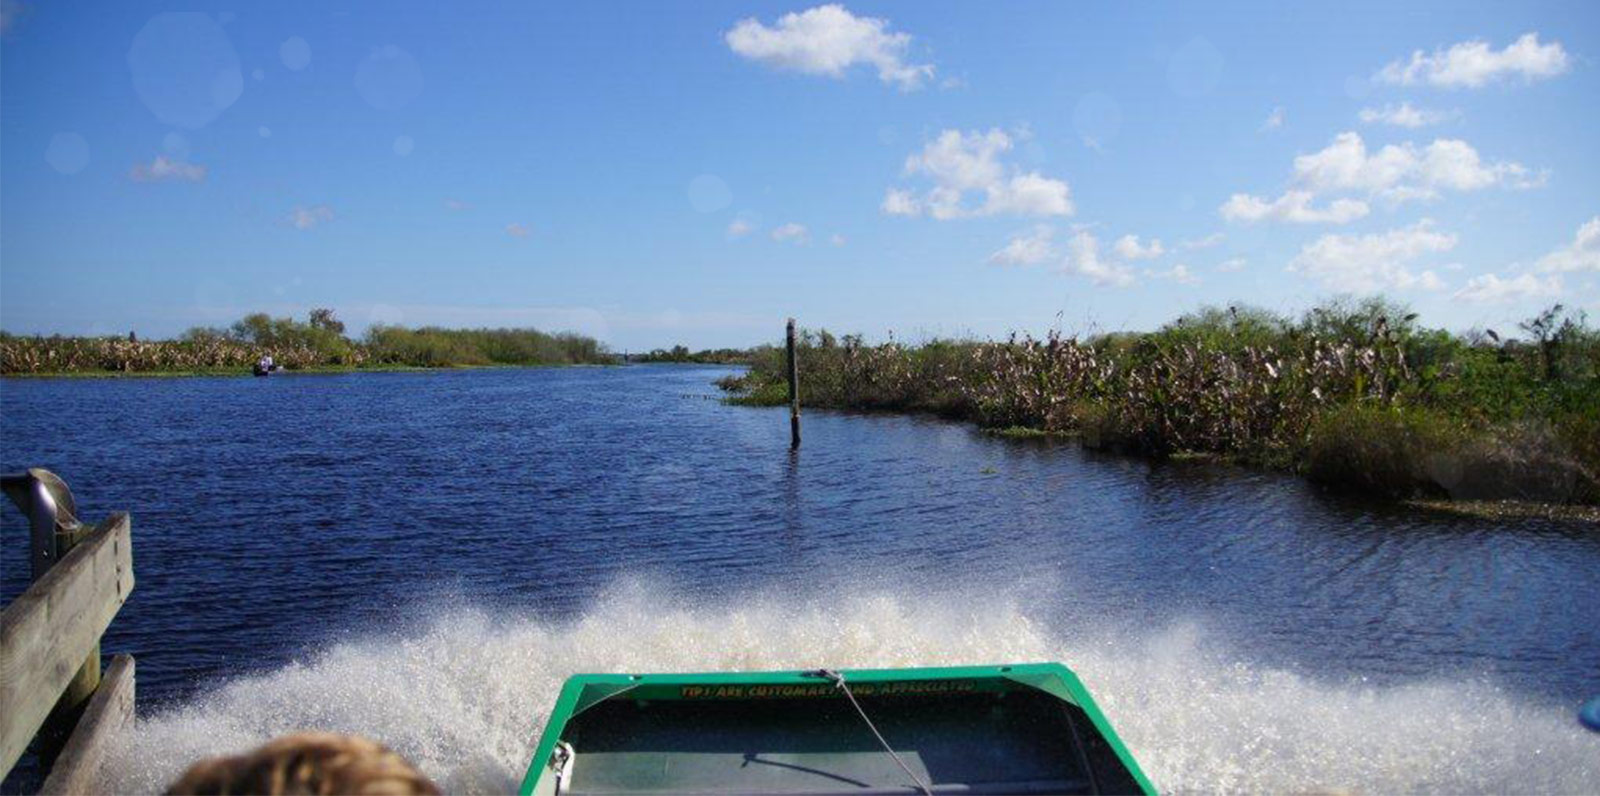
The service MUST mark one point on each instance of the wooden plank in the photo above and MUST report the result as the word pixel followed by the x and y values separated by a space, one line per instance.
pixel 48 632
pixel 63 717
pixel 77 768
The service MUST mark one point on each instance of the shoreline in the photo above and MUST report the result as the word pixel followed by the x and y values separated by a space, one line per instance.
pixel 1474 507
pixel 312 371
pixel 1350 395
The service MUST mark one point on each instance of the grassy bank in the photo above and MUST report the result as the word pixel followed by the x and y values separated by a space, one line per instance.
pixel 245 373
pixel 1352 394
pixel 317 344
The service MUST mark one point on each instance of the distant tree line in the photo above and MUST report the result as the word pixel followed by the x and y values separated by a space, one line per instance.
pixel 708 356
pixel 317 342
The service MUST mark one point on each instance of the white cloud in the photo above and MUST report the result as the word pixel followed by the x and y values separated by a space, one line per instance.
pixel 1083 259
pixel 1027 248
pixel 837 240
pixel 1231 265
pixel 1274 119
pixel 1294 207
pixel 1214 239
pixel 1472 64
pixel 739 228
pixel 1128 248
pixel 828 40
pixel 969 163
pixel 309 217
pixel 963 161
pixel 516 230
pixel 1396 173
pixel 1181 274
pixel 791 233
pixel 900 203
pixel 1405 115
pixel 1369 263
pixel 1404 171
pixel 1583 254
pixel 1029 195
pixel 1491 289
pixel 165 169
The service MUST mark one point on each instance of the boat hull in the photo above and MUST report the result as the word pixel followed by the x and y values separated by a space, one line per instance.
pixel 1027 728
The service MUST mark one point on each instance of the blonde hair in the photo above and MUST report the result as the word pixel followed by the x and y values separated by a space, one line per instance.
pixel 307 764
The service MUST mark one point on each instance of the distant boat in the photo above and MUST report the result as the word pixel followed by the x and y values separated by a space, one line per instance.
pixel 1022 729
pixel 262 369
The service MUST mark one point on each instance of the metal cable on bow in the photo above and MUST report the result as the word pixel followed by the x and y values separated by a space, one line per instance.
pixel 837 678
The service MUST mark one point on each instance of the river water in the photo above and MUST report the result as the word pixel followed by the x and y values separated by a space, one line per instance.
pixel 424 557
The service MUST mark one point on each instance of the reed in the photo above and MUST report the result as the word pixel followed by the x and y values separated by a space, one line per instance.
pixel 1351 394
pixel 34 355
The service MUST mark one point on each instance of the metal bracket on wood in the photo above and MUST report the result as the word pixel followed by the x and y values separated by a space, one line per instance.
pixel 51 512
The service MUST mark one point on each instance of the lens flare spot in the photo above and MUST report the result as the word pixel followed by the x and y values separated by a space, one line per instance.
pixel 708 194
pixel 68 153
pixel 185 69
pixel 389 78
pixel 295 53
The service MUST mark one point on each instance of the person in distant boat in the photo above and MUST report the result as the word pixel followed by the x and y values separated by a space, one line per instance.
pixel 307 764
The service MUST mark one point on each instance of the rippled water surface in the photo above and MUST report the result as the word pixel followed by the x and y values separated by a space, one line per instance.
pixel 422 557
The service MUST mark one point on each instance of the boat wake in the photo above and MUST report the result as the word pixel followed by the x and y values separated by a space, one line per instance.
pixel 464 693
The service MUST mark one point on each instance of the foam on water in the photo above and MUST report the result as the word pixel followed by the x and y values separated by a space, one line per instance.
pixel 464 694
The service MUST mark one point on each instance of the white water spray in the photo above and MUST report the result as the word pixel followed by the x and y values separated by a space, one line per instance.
pixel 465 695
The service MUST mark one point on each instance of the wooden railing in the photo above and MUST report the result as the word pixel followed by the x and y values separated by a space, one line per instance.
pixel 51 684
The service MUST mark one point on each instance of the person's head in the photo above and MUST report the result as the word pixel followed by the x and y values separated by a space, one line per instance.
pixel 307 764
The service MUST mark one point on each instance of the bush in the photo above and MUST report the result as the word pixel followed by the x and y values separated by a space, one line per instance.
pixel 432 346
pixel 1382 450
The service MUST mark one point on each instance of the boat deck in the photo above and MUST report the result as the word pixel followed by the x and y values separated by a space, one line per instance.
pixel 984 743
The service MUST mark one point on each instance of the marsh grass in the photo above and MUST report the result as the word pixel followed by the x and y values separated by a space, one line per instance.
pixel 1351 394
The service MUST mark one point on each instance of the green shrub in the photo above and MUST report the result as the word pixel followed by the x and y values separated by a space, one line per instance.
pixel 1381 450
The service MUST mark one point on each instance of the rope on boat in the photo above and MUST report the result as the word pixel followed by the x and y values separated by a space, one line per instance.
pixel 838 682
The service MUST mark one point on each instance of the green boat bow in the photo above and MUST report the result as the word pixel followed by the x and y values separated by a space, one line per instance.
pixel 1025 728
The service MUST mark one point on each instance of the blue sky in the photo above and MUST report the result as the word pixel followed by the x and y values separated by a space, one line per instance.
pixel 695 172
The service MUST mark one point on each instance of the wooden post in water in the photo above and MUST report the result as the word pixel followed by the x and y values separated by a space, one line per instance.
pixel 794 391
